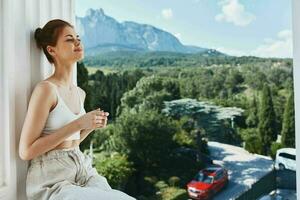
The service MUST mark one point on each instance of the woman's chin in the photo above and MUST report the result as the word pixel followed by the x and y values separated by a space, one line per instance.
pixel 79 58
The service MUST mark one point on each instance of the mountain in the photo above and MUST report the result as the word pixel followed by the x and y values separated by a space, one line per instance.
pixel 101 33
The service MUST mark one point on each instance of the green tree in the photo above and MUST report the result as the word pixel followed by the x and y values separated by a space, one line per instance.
pixel 149 93
pixel 147 138
pixel 267 121
pixel 252 119
pixel 83 83
pixel 288 129
pixel 115 168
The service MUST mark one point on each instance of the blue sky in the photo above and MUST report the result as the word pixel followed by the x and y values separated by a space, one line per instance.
pixel 237 27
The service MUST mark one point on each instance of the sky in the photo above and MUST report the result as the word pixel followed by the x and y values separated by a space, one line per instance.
pixel 237 27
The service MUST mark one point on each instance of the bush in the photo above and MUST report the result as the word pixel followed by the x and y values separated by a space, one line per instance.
pixel 253 144
pixel 174 181
pixel 116 169
pixel 161 185
pixel 274 147
pixel 173 193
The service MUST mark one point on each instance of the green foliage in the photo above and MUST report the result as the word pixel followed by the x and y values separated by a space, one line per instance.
pixel 149 94
pixel 148 140
pixel 116 168
pixel 161 185
pixel 274 147
pixel 213 122
pixel 288 130
pixel 252 119
pixel 267 121
pixel 105 140
pixel 127 59
pixel 140 130
pixel 252 140
pixel 174 181
pixel 83 83
pixel 109 89
pixel 185 136
pixel 173 193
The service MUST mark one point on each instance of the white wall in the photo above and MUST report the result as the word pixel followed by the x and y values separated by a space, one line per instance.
pixel 296 63
pixel 22 65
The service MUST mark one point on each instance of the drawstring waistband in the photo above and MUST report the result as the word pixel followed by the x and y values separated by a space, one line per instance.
pixel 55 153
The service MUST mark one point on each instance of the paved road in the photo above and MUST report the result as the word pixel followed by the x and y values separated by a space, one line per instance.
pixel 244 168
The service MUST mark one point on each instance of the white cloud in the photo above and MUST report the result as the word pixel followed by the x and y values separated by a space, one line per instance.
pixel 167 13
pixel 178 35
pixel 280 47
pixel 234 12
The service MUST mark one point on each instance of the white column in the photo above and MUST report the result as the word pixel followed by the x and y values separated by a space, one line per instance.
pixel 22 65
pixel 1 102
pixel 296 64
pixel 8 188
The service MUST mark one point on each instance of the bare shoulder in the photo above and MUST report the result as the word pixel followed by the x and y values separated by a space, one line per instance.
pixel 45 87
pixel 44 90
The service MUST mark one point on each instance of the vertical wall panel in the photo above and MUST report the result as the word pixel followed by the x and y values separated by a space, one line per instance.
pixel 7 101
pixel 45 16
pixel 296 70
pixel 22 65
pixel 1 103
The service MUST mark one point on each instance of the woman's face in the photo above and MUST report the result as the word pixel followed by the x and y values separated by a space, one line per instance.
pixel 68 48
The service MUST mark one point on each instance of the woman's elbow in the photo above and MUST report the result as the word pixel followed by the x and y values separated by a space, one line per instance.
pixel 24 155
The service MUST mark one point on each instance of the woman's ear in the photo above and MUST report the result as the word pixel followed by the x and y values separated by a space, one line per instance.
pixel 50 50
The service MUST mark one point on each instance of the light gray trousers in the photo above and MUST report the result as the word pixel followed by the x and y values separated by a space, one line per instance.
pixel 67 174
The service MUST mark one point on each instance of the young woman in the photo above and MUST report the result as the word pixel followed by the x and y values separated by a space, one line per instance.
pixel 56 123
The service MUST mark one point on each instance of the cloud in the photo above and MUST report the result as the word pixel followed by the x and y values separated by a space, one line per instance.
pixel 281 47
pixel 178 36
pixel 234 12
pixel 167 13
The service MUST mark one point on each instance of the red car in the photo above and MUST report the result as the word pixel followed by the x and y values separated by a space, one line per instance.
pixel 207 182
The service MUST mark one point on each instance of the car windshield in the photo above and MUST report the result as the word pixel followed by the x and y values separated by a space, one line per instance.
pixel 203 178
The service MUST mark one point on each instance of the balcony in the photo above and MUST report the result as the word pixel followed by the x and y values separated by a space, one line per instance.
pixel 22 66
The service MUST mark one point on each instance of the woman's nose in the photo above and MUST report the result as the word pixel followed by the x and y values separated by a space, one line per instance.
pixel 77 42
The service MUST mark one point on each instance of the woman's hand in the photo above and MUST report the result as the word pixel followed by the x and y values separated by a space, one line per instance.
pixel 93 120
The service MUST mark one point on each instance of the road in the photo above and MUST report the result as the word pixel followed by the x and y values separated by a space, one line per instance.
pixel 244 168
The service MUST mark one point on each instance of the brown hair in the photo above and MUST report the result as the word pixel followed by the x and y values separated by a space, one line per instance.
pixel 48 35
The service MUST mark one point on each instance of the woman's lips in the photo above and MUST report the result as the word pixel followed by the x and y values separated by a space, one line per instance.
pixel 78 50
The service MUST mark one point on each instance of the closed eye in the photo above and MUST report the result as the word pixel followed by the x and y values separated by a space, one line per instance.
pixel 72 40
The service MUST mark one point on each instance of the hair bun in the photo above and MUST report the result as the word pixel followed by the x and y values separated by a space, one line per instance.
pixel 37 36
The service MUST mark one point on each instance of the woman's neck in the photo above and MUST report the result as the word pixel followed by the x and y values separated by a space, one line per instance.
pixel 64 74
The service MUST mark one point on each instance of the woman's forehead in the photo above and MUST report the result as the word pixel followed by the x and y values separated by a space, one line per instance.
pixel 68 31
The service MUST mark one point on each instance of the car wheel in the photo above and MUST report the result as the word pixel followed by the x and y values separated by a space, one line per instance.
pixel 226 184
pixel 281 166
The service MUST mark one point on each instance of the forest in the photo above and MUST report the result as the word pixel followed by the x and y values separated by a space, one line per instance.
pixel 161 103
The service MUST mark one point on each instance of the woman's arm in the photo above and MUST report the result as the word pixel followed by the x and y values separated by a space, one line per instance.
pixel 84 133
pixel 31 143
pixel 46 143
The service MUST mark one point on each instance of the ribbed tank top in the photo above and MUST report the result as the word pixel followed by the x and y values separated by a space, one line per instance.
pixel 62 115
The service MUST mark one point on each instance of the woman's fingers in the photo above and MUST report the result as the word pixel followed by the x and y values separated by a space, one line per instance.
pixel 100 118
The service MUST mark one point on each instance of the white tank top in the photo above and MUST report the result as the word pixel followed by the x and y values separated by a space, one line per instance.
pixel 62 115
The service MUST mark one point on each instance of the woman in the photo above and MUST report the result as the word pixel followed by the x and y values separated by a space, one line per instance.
pixel 56 123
